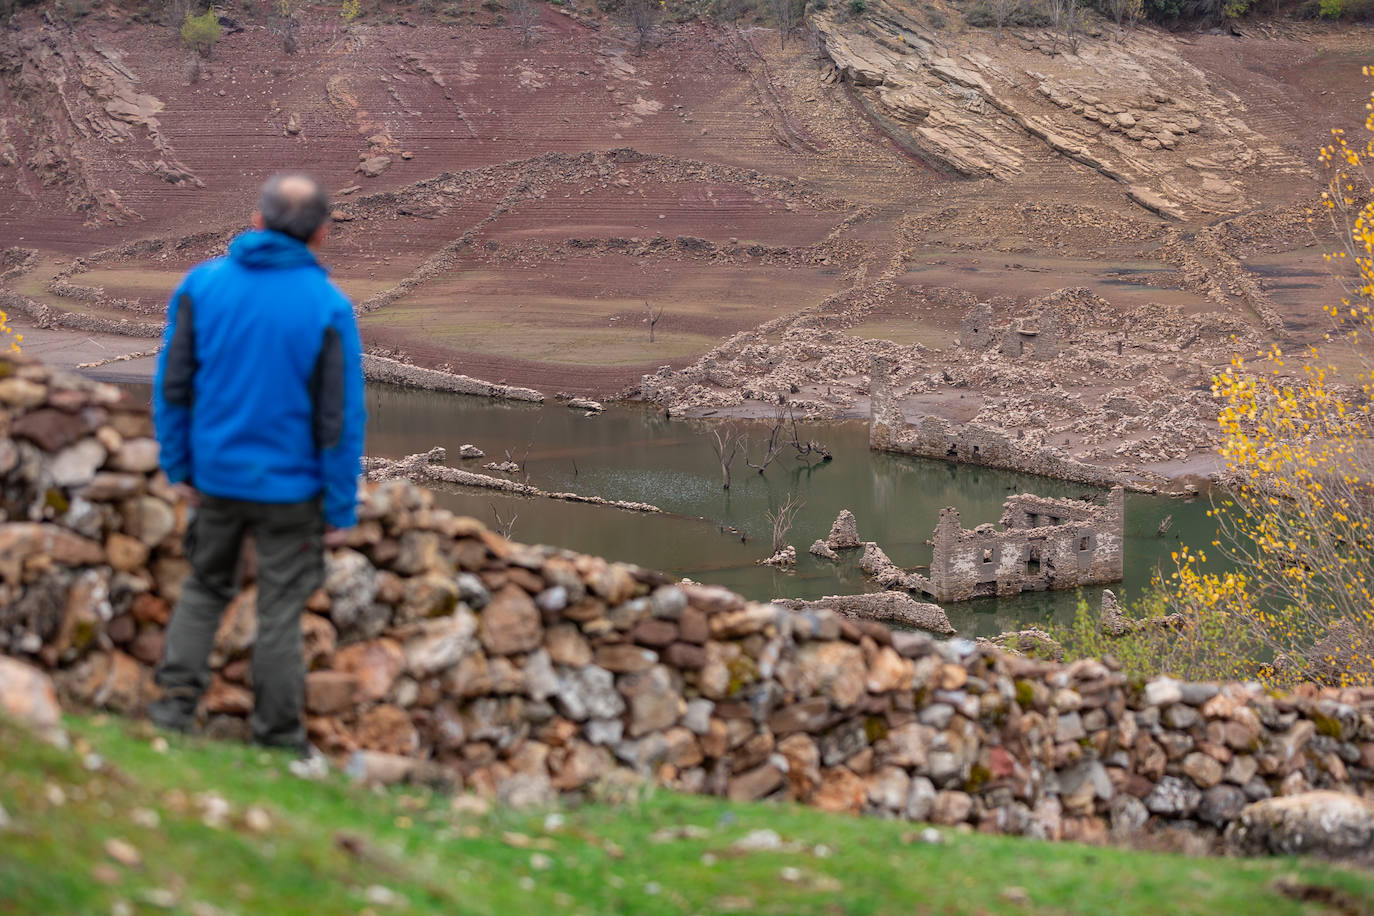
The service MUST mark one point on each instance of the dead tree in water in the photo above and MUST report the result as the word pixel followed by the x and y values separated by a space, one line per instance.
pixel 654 316
pixel 504 526
pixel 778 441
pixel 726 443
pixel 782 521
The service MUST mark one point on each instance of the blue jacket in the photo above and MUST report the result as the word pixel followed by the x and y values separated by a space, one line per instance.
pixel 259 387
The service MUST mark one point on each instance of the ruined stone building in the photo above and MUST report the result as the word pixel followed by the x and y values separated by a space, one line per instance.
pixel 1044 544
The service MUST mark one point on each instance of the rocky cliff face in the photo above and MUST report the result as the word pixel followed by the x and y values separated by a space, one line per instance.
pixel 528 671
pixel 1126 104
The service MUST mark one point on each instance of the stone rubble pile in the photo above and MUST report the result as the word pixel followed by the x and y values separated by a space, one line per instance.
pixel 530 671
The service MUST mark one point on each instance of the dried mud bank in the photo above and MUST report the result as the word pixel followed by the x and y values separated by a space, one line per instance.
pixel 447 653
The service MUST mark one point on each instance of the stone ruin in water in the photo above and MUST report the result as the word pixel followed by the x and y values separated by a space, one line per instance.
pixel 1045 544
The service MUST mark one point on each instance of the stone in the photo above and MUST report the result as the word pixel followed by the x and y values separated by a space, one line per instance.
pixel 1127 815
pixel 110 680
pixel 27 696
pixel 920 800
pixel 840 791
pixel 138 455
pixel 834 669
pixel 111 486
pixel 1329 824
pixel 588 692
pixel 540 680
pixel 654 701
pixel 49 429
pixel 1173 797
pixel 418 553
pixel 373 166
pixel 951 807
pixel 430 595
pixel 908 745
pixel 889 788
pixel 1202 769
pixel 153 520
pixel 577 764
pixel 351 581
pixel 1163 692
pixel 125 553
pixel 19 541
pixel 624 658
pixel 1180 717
pixel 567 646
pixel 329 693
pixel 510 623
pixel 440 643
pixel 844 532
pixel 22 393
pixel 755 784
pixel 318 640
pixel 376 665
pixel 387 729
pixel 1220 805
pixel 224 698
pixel 75 465
pixel 668 603
pixel 823 550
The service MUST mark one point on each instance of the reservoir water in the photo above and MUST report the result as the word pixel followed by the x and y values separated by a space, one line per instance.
pixel 718 536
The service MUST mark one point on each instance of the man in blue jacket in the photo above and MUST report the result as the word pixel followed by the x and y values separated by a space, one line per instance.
pixel 258 402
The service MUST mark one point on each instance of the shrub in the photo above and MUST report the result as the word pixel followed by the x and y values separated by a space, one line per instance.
pixel 857 7
pixel 1205 646
pixel 1331 9
pixel 199 33
pixel 350 10
pixel 1299 454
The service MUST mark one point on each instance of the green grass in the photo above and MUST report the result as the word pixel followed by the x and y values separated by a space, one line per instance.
pixel 329 845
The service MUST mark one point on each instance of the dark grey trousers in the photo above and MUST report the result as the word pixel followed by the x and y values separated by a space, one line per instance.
pixel 290 566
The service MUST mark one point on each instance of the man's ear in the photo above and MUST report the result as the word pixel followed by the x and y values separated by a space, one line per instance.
pixel 257 221
pixel 319 235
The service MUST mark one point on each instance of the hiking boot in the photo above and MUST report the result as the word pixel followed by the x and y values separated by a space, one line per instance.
pixel 172 714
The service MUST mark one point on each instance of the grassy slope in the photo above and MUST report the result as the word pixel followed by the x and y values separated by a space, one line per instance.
pixel 328 845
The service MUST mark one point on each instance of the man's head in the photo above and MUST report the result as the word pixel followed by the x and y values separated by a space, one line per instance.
pixel 295 205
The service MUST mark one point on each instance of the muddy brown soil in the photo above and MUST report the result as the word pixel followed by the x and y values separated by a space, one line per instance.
pixel 514 212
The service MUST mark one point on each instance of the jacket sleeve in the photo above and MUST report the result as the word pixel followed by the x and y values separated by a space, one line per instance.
pixel 340 416
pixel 174 387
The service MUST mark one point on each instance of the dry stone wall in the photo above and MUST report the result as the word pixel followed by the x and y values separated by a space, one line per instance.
pixel 442 650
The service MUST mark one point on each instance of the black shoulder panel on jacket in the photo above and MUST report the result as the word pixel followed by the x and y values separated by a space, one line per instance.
pixel 178 382
pixel 327 391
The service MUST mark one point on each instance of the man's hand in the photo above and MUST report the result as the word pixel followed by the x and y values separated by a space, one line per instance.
pixel 187 493
pixel 336 537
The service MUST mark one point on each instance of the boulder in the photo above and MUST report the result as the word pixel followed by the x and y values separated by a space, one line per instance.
pixel 844 533
pixel 1328 824
pixel 27 696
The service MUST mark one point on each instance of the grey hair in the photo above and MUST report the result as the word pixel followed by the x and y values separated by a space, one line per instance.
pixel 293 204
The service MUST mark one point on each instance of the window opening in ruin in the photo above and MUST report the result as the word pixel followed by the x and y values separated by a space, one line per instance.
pixel 987 554
pixel 1033 561
pixel 953 452
pixel 1085 543
pixel 1033 519
pixel 975 450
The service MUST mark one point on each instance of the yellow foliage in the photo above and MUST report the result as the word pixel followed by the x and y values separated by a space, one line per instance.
pixel 1297 446
pixel 9 332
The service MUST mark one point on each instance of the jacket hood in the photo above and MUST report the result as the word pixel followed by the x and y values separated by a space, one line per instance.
pixel 266 249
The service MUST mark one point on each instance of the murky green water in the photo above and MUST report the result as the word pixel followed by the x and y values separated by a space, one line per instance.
pixel 638 454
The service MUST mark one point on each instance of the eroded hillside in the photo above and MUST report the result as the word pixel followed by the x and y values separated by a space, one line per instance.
pixel 508 210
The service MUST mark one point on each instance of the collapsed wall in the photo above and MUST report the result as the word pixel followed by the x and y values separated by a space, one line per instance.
pixel 969 443
pixel 529 671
